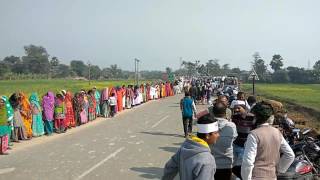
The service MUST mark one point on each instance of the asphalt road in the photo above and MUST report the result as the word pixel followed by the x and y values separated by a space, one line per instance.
pixel 133 145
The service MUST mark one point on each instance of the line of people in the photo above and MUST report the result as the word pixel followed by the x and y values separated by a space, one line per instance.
pixel 236 139
pixel 22 118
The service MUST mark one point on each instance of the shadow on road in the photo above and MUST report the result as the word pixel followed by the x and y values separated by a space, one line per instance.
pixel 162 134
pixel 170 149
pixel 149 172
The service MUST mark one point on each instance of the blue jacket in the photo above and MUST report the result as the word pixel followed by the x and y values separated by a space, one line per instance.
pixel 187 107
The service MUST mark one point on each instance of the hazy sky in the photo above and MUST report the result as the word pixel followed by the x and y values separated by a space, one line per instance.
pixel 159 32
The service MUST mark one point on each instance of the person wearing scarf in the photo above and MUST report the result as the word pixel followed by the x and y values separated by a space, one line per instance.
pixel 98 97
pixel 9 116
pixel 4 125
pixel 91 107
pixel 70 116
pixel 59 114
pixel 19 132
pixel 77 103
pixel 48 111
pixel 25 110
pixel 104 102
pixel 119 94
pixel 37 123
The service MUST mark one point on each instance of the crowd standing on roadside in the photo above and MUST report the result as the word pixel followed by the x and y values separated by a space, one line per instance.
pixel 23 118
pixel 235 136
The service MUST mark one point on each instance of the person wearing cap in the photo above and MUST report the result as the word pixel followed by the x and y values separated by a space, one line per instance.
pixel 188 108
pixel 223 149
pixel 240 100
pixel 261 159
pixel 194 160
pixel 245 122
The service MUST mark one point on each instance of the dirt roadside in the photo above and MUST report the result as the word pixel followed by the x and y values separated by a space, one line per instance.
pixel 302 116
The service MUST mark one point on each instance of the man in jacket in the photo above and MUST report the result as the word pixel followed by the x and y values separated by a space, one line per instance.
pixel 223 149
pixel 261 159
pixel 188 109
pixel 194 159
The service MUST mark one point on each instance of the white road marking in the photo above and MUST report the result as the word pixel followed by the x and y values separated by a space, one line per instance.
pixel 6 170
pixel 156 124
pixel 100 163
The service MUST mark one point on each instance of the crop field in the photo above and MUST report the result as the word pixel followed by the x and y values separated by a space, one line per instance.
pixel 55 85
pixel 307 95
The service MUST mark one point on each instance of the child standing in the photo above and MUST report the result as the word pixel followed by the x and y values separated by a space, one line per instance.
pixel 113 104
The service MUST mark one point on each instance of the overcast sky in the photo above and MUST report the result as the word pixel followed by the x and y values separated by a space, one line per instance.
pixel 159 32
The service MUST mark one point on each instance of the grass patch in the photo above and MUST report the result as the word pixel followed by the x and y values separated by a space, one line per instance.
pixel 8 87
pixel 307 95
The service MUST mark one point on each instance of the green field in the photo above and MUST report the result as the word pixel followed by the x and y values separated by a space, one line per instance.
pixel 55 85
pixel 307 95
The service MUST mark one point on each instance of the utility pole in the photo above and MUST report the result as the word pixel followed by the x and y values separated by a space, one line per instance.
pixel 136 69
pixel 89 73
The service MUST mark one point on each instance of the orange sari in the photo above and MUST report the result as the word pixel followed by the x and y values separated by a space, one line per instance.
pixel 26 114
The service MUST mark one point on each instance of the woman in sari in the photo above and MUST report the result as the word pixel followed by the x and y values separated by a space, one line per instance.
pixel 91 107
pixel 19 132
pixel 85 105
pixel 77 107
pixel 48 112
pixel 9 116
pixel 97 97
pixel 4 127
pixel 26 114
pixel 124 90
pixel 70 116
pixel 59 114
pixel 119 99
pixel 129 96
pixel 104 102
pixel 37 123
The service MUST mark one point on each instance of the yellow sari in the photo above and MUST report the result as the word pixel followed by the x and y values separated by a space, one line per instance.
pixel 26 114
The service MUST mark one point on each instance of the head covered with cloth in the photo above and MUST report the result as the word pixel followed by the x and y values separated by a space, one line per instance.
pixel 194 160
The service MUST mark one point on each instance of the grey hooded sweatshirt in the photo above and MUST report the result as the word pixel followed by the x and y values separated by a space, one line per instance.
pixel 193 161
pixel 222 150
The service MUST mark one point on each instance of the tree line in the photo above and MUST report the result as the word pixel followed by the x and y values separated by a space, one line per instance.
pixel 37 63
pixel 278 73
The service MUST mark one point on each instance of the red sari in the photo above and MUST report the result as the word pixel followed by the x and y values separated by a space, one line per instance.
pixel 69 120
pixel 119 99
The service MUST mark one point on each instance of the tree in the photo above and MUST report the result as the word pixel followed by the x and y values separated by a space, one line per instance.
pixel 112 72
pixel 14 64
pixel 79 68
pixel 63 71
pixel 36 59
pixel 276 62
pixel 259 66
pixel 4 68
pixel 225 68
pixel 190 67
pixel 280 76
pixel 213 67
pixel 316 66
pixel 54 65
pixel 95 72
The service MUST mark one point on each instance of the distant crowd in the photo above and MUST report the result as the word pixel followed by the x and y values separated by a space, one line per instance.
pixel 22 118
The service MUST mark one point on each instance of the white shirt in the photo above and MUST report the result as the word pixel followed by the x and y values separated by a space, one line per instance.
pixel 250 153
pixel 112 101
pixel 240 102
